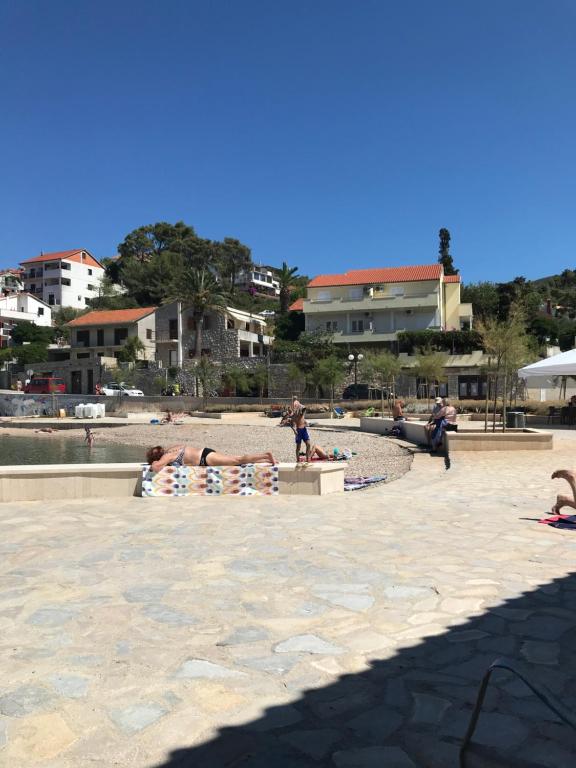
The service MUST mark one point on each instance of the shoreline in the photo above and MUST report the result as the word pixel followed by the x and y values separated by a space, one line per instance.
pixel 373 455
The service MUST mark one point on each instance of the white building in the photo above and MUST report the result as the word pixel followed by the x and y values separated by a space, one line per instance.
pixel 18 307
pixel 11 281
pixel 63 279
pixel 259 280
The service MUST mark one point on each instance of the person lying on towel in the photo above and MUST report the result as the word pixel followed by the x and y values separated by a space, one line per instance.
pixel 185 455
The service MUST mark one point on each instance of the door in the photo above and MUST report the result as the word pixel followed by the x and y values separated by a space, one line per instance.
pixel 90 383
pixel 76 382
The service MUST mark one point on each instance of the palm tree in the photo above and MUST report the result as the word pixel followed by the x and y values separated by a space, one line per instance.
pixel 285 277
pixel 199 291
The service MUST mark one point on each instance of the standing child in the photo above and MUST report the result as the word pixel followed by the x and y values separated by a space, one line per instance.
pixel 300 427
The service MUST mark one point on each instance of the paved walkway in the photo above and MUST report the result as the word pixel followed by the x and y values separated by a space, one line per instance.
pixel 349 632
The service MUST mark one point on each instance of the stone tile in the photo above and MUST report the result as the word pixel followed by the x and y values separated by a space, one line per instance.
pixel 69 686
pixel 503 731
pixel 52 616
pixel 540 652
pixel 275 717
pixel 316 744
pixel 373 757
pixel 145 593
pixel 428 710
pixel 308 644
pixel 376 724
pixel 40 738
pixel 136 717
pixel 200 668
pixel 165 615
pixel 244 635
pixel 25 700
pixel 3 732
pixel 535 627
pixel 276 664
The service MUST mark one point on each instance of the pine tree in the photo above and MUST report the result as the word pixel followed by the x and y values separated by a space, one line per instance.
pixel 444 250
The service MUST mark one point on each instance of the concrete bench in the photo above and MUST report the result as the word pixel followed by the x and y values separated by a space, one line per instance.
pixel 47 482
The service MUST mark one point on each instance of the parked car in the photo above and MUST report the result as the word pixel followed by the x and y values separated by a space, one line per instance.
pixel 121 389
pixel 45 385
pixel 361 392
pixel 268 313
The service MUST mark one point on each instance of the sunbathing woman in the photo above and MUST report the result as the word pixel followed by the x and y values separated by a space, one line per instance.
pixel 184 455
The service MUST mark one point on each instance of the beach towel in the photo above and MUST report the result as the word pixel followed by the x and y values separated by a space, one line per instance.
pixel 245 480
pixel 359 483
pixel 567 522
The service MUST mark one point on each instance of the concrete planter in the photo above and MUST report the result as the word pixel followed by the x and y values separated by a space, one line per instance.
pixel 46 482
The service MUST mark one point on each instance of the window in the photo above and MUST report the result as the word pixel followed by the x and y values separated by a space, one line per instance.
pixel 324 296
pixel 79 298
pixel 83 338
pixel 148 333
pixel 65 280
pixel 51 299
pixel 82 355
pixel 356 292
pixel 65 265
pixel 89 271
pixel 40 311
pixel 100 337
pixel 397 290
pixel 120 336
pixel 90 287
pixel 173 328
pixel 357 326
pixel 332 325
pixel 33 288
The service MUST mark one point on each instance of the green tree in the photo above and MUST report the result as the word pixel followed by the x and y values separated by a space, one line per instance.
pixel 508 348
pixel 260 379
pixel 110 296
pixel 382 368
pixel 199 291
pixel 144 243
pixel 233 258
pixel 208 375
pixel 131 350
pixel 289 326
pixel 430 366
pixel 286 277
pixel 149 283
pixel 235 378
pixel 32 334
pixel 484 299
pixel 444 256
pixel 328 373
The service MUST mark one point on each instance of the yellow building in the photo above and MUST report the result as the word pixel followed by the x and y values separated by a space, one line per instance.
pixel 370 306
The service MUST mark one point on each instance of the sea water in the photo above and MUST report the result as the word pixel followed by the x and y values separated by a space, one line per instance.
pixel 53 449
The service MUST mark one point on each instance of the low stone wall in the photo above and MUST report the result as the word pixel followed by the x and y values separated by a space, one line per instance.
pixel 229 417
pixel 413 431
pixel 47 482
pixel 511 440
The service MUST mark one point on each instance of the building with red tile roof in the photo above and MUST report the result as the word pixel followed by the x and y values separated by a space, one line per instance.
pixel 63 278
pixel 370 307
pixel 111 317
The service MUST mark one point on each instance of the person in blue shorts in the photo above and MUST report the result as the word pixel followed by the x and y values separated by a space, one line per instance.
pixel 300 427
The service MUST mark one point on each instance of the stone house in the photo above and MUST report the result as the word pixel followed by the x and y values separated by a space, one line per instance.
pixel 227 335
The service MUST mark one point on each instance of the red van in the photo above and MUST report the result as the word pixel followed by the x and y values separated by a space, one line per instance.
pixel 45 385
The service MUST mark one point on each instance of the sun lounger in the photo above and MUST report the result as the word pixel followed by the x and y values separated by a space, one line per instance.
pixel 339 413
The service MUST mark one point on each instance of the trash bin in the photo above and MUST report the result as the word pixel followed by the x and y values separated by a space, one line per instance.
pixel 515 420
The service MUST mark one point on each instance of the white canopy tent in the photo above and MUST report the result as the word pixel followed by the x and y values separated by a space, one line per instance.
pixel 563 364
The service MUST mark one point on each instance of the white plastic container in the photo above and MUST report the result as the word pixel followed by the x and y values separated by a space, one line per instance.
pixel 100 410
pixel 90 411
pixel 79 411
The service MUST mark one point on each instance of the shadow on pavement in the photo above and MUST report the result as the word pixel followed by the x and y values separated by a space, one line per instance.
pixel 412 709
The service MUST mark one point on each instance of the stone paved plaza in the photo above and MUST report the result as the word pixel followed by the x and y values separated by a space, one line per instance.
pixel 347 631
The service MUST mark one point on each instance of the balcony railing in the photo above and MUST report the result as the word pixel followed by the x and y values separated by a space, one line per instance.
pixel 375 302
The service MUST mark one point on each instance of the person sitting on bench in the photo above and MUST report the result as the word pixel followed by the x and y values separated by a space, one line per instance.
pixel 445 419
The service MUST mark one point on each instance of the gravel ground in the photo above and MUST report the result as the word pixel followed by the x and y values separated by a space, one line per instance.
pixel 376 455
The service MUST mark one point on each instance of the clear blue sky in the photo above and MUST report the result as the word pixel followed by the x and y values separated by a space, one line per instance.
pixel 331 134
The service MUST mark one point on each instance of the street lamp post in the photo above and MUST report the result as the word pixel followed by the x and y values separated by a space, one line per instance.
pixel 356 358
